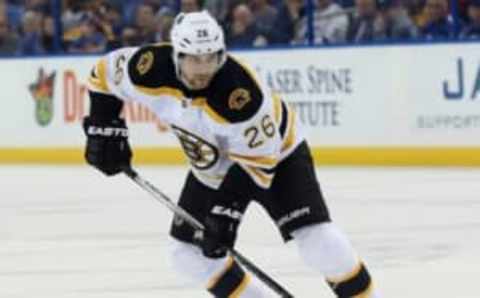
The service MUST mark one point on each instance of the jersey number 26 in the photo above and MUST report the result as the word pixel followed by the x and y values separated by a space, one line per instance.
pixel 256 135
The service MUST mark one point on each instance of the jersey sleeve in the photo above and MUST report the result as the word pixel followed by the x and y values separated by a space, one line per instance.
pixel 137 75
pixel 107 75
pixel 97 80
pixel 104 103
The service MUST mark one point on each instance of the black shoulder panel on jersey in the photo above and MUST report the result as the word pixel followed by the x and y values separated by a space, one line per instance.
pixel 235 95
pixel 152 66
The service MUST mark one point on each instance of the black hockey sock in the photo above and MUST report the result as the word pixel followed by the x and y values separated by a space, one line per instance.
pixel 231 281
pixel 356 284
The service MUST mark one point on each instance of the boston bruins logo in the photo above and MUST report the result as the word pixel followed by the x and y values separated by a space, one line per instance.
pixel 238 99
pixel 145 63
pixel 202 154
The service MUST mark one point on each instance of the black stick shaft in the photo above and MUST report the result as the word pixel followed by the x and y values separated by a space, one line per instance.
pixel 177 210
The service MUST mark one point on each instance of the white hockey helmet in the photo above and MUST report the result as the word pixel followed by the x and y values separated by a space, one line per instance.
pixel 197 33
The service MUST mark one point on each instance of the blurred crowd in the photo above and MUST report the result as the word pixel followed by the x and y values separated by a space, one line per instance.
pixel 37 27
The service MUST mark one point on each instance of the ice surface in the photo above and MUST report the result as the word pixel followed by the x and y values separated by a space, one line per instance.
pixel 71 232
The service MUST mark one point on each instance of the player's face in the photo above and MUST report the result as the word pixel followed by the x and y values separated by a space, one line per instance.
pixel 198 70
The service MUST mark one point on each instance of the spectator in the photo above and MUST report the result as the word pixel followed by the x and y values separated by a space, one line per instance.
pixel 366 24
pixel 108 19
pixel 166 10
pixel 218 9
pixel 190 5
pixel 437 23
pixel 42 6
pixel 242 32
pixel 48 34
pixel 463 10
pixel 130 7
pixel 73 14
pixel 346 3
pixel 145 22
pixel 397 23
pixel 264 14
pixel 230 7
pixel 164 21
pixel 330 24
pixel 31 34
pixel 415 10
pixel 130 37
pixel 111 16
pixel 8 40
pixel 91 40
pixel 472 30
pixel 283 29
pixel 13 13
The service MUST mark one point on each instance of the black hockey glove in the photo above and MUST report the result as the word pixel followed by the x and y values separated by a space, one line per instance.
pixel 107 145
pixel 219 235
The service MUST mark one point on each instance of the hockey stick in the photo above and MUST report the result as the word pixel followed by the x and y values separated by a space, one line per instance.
pixel 177 210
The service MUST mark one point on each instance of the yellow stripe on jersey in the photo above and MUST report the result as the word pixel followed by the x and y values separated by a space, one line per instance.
pixel 277 108
pixel 199 102
pixel 241 288
pixel 214 115
pixel 261 178
pixel 94 85
pixel 289 140
pixel 162 44
pixel 216 278
pixel 99 81
pixel 256 161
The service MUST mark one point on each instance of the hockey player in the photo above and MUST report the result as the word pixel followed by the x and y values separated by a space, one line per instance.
pixel 242 141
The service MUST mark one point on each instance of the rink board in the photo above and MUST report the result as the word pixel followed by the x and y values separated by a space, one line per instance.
pixel 386 156
pixel 395 105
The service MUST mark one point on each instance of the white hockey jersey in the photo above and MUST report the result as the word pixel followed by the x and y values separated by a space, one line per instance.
pixel 237 119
